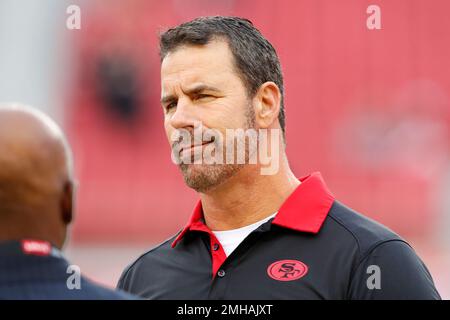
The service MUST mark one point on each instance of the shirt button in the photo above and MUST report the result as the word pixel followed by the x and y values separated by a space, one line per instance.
pixel 221 273
pixel 216 247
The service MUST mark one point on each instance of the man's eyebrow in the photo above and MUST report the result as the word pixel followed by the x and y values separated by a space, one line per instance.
pixel 200 88
pixel 193 90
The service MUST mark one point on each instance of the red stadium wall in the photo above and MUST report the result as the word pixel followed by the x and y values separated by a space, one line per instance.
pixel 367 108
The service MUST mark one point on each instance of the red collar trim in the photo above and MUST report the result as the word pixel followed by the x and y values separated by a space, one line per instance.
pixel 307 207
pixel 304 210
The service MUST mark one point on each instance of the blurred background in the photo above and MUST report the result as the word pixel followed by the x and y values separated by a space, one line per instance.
pixel 370 109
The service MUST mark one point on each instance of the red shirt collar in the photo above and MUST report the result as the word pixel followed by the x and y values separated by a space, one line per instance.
pixel 304 210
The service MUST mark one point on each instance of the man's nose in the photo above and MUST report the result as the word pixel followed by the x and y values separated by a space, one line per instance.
pixel 184 115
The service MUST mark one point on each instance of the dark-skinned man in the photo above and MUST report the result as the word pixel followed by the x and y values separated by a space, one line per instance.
pixel 36 196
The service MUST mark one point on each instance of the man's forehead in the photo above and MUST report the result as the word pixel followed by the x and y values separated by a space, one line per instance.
pixel 193 64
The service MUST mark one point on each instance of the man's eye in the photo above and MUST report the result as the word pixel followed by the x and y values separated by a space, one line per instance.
pixel 202 96
pixel 171 106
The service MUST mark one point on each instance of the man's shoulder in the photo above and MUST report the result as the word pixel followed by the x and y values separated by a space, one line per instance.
pixel 383 255
pixel 147 259
pixel 364 232
pixel 160 249
pixel 56 284
pixel 91 290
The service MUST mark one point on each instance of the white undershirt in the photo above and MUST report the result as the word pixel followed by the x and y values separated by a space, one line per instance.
pixel 231 239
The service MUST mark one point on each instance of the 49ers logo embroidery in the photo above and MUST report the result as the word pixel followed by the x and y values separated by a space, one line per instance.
pixel 287 270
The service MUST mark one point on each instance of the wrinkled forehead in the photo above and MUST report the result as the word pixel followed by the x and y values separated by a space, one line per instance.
pixel 211 64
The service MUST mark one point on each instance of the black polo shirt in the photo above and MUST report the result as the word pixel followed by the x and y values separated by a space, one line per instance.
pixel 314 248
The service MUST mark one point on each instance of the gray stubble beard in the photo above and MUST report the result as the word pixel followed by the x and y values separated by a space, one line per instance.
pixel 206 177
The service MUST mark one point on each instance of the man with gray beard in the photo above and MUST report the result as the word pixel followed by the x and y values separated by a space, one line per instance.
pixel 256 234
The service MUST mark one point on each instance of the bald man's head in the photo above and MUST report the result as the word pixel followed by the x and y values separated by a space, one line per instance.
pixel 35 176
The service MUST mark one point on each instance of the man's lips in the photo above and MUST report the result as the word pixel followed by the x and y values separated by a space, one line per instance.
pixel 192 146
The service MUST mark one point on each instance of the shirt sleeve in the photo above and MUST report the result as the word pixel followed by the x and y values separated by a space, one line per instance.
pixel 392 271
pixel 123 283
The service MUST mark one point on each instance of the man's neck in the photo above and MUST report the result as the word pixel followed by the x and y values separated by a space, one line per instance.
pixel 26 227
pixel 247 197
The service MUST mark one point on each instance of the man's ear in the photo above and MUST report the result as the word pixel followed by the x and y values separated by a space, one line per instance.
pixel 67 203
pixel 267 104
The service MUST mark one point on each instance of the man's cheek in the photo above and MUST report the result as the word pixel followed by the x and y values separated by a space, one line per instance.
pixel 168 129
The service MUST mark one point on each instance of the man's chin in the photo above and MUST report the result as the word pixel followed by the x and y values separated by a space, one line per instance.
pixel 203 178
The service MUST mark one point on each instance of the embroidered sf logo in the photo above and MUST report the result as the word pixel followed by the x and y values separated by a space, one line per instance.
pixel 287 270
